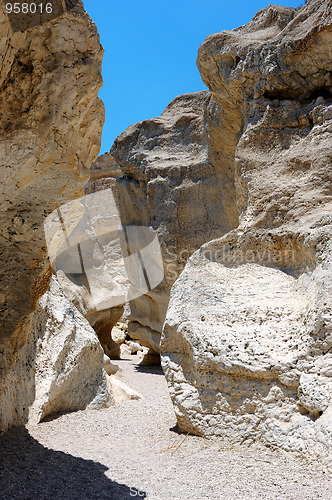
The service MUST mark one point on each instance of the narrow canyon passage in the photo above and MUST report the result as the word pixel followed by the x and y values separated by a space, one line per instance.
pixel 133 450
pixel 202 237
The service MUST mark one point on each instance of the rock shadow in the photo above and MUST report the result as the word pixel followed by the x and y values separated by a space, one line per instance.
pixel 154 369
pixel 28 470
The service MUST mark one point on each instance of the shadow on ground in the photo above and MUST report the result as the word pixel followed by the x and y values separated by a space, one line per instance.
pixel 29 471
pixel 154 369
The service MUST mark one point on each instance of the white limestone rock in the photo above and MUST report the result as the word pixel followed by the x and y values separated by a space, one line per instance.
pixel 175 182
pixel 121 391
pixel 247 340
pixel 61 366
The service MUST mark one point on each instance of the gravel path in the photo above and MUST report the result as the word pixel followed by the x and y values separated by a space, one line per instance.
pixel 133 451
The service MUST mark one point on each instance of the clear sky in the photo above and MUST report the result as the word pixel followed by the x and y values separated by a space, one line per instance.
pixel 151 48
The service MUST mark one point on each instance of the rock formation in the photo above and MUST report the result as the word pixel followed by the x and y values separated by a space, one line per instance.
pixel 97 226
pixel 122 392
pixel 103 174
pixel 50 127
pixel 68 361
pixel 175 182
pixel 247 341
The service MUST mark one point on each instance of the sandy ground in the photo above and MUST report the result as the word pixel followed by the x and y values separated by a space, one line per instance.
pixel 134 451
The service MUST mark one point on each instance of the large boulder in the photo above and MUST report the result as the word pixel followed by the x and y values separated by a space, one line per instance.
pixel 247 340
pixel 67 373
pixel 175 182
pixel 50 126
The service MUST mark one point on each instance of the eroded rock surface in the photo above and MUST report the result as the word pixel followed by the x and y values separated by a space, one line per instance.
pixel 247 340
pixel 50 127
pixel 103 174
pixel 95 221
pixel 68 372
pixel 175 181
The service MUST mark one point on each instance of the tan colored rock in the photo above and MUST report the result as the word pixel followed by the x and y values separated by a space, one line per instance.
pixel 110 368
pixel 248 333
pixel 146 336
pixel 315 393
pixel 104 332
pixel 50 128
pixel 119 333
pixel 89 261
pixel 174 183
pixel 125 351
pixel 149 359
pixel 101 320
pixel 134 347
pixel 61 364
pixel 103 174
pixel 121 391
pixel 100 291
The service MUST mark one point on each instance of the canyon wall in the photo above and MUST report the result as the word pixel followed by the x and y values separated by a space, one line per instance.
pixel 176 182
pixel 50 126
pixel 247 341
pixel 97 222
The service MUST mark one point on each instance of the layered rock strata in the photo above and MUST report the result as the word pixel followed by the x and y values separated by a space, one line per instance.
pixel 247 340
pixel 50 127
pixel 176 182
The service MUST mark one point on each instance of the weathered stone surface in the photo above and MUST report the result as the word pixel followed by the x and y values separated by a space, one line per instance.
pixel 110 368
pixel 119 332
pixel 121 391
pixel 50 127
pixel 175 182
pixel 89 259
pixel 247 340
pixel 149 359
pixel 102 320
pixel 103 174
pixel 60 367
pixel 125 351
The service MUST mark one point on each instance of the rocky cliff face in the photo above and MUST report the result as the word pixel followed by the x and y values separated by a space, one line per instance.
pixel 50 127
pixel 179 181
pixel 97 235
pixel 247 340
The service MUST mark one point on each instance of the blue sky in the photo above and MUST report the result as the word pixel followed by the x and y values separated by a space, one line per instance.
pixel 151 48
